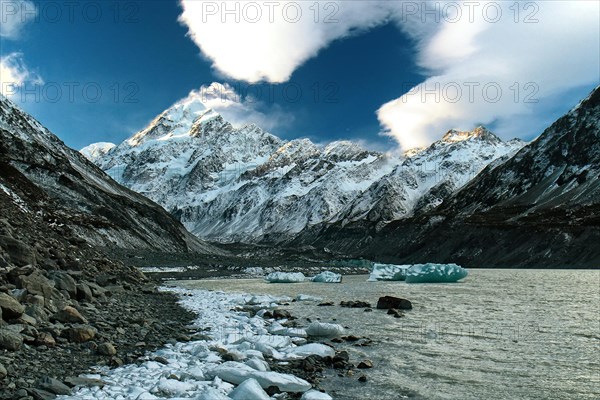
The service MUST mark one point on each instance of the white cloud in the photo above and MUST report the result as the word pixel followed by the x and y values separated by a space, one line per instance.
pixel 14 74
pixel 14 14
pixel 529 62
pixel 240 109
pixel 556 54
pixel 286 35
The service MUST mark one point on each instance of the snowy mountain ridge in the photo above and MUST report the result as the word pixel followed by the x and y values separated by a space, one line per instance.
pixel 244 184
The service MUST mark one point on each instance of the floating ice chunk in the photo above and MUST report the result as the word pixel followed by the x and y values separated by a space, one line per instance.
pixel 435 273
pixel 388 272
pixel 312 349
pixel 315 395
pixel 321 329
pixel 306 297
pixel 328 277
pixel 236 373
pixel 285 277
pixel 249 390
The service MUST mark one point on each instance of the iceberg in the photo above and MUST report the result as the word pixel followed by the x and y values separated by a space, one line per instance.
pixel 435 273
pixel 328 277
pixel 388 272
pixel 285 277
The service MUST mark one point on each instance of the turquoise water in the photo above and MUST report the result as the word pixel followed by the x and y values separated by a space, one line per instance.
pixel 499 334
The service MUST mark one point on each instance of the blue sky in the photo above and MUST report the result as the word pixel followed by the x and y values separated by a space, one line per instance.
pixel 139 56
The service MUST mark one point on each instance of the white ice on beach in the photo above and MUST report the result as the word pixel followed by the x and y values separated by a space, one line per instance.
pixel 328 277
pixel 197 370
pixel 435 273
pixel 388 272
pixel 315 395
pixel 307 297
pixel 285 277
pixel 250 389
pixel 322 329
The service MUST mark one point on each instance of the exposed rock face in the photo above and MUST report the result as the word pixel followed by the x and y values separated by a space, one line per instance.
pixel 230 185
pixel 60 186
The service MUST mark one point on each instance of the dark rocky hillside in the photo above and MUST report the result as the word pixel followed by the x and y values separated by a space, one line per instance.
pixel 539 209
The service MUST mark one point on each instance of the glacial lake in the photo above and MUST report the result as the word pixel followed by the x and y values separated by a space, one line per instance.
pixel 498 334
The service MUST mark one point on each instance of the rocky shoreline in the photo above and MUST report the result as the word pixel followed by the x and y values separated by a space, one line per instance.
pixel 56 328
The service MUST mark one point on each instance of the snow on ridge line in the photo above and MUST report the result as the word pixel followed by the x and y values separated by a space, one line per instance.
pixel 198 367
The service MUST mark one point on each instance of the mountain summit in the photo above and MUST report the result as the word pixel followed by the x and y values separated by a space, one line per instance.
pixel 243 184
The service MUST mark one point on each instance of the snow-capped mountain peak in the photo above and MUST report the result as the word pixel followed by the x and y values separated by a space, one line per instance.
pixel 479 133
pixel 244 184
pixel 96 150
pixel 176 121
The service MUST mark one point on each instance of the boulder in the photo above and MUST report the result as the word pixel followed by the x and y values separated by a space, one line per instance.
pixel 80 333
pixel 282 314
pixel 45 339
pixel 365 364
pixel 355 304
pixel 387 302
pixel 19 253
pixel 36 283
pixel 52 385
pixel 106 279
pixel 84 382
pixel 106 349
pixel 69 315
pixel 3 372
pixel 84 292
pixel 64 281
pixel 37 312
pixel 11 308
pixel 10 340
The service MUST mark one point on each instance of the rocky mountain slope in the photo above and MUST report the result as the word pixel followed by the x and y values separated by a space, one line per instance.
pixel 64 305
pixel 59 187
pixel 245 185
pixel 540 208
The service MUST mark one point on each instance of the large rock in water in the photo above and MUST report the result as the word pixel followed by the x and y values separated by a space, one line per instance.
pixel 10 307
pixel 386 302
